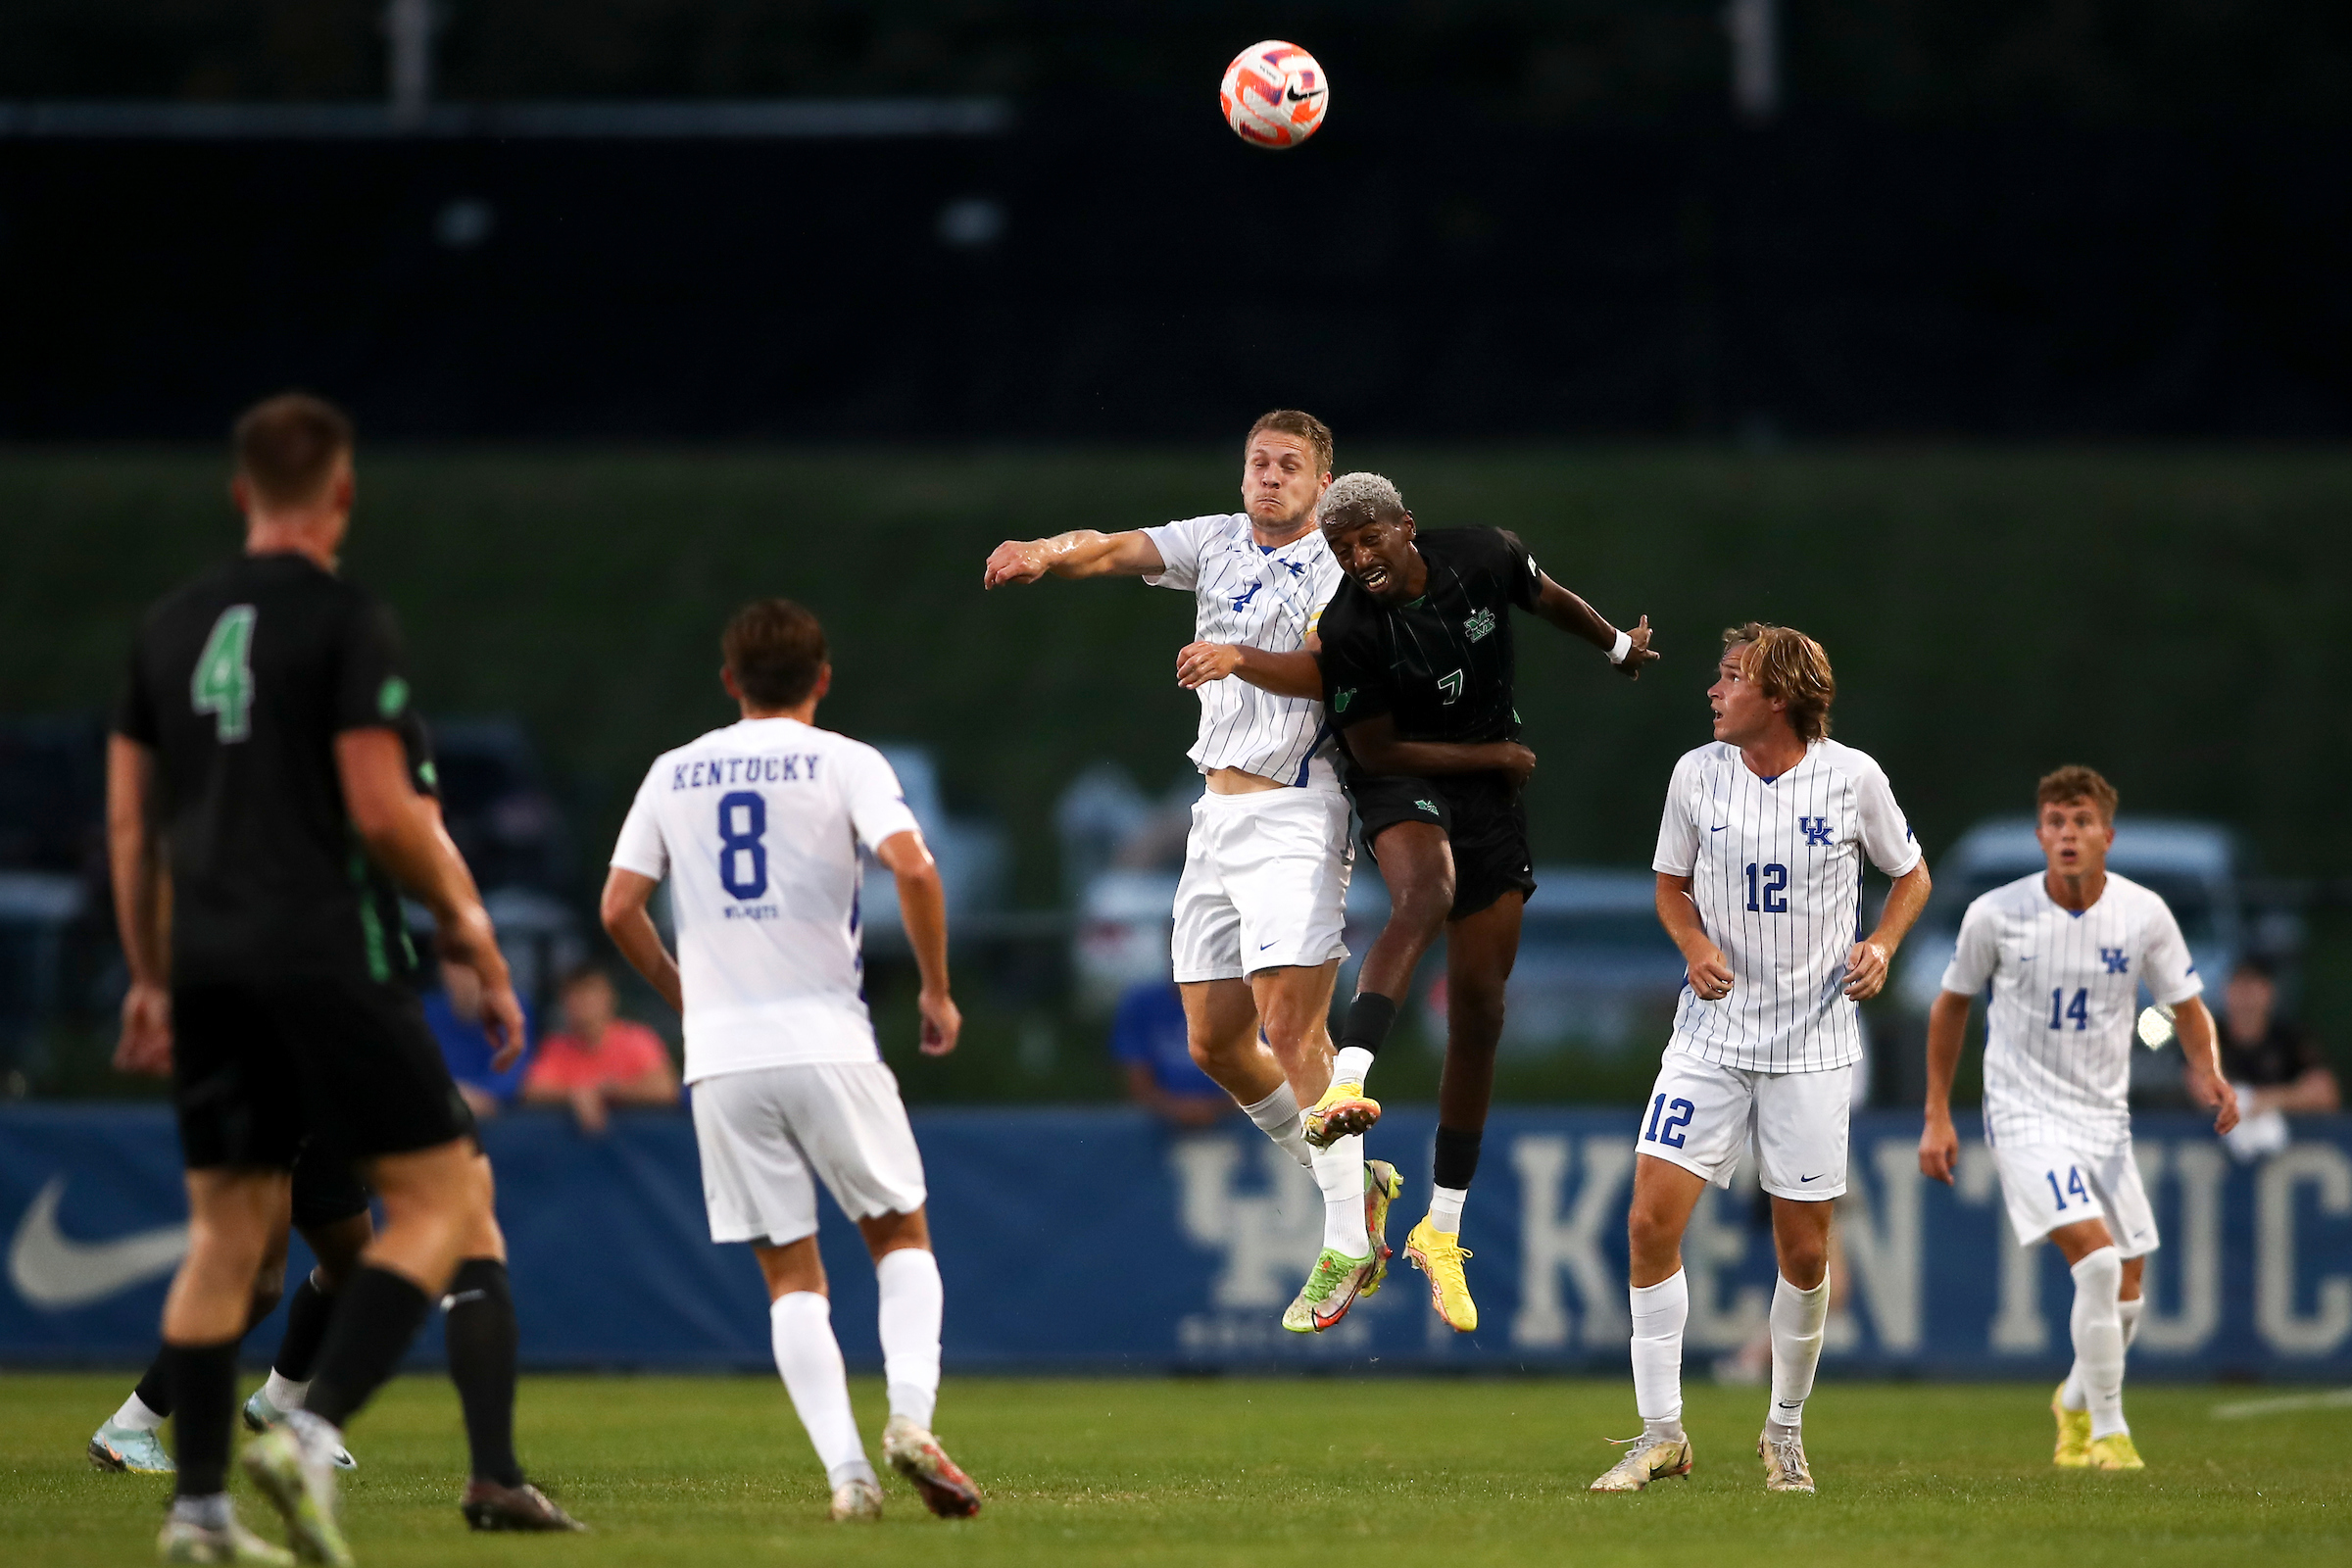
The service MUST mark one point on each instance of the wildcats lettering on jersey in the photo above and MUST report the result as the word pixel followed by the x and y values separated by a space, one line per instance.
pixel 1244 593
pixel 2065 998
pixel 757 828
pixel 1776 871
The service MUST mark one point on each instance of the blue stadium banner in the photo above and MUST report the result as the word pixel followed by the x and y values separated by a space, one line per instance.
pixel 1096 1240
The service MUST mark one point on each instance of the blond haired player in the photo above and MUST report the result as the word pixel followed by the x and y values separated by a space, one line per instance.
pixel 1263 900
pixel 2065 953
pixel 1759 868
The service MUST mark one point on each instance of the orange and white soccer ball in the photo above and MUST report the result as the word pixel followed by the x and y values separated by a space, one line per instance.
pixel 1274 94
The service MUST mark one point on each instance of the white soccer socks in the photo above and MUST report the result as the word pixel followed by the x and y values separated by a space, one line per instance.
pixel 1339 1172
pixel 808 1358
pixel 135 1415
pixel 2098 1331
pixel 2069 1394
pixel 912 1302
pixel 1445 1209
pixel 1660 1313
pixel 1352 1064
pixel 1798 1320
pixel 1277 1117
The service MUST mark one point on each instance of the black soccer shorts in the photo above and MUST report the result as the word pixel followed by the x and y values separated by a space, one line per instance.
pixel 260 1067
pixel 327 1189
pixel 1485 823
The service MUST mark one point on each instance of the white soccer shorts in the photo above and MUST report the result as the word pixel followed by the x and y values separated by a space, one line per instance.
pixel 1264 885
pixel 768 1135
pixel 2046 1186
pixel 1701 1116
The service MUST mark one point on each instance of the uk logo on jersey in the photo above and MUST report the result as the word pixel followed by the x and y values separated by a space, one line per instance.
pixel 1241 600
pixel 1817 830
pixel 2118 961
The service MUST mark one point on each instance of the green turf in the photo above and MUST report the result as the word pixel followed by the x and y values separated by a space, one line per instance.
pixel 688 1472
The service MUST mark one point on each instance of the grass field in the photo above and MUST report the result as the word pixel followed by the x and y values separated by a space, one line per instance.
pixel 696 1471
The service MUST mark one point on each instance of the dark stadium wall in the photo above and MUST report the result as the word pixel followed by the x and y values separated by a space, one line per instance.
pixel 2165 615
pixel 1822 278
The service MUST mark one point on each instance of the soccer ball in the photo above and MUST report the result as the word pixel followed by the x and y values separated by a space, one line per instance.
pixel 1274 94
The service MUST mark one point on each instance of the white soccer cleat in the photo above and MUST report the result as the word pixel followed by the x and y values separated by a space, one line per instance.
pixel 186 1540
pixel 856 1503
pixel 261 1414
pixel 1783 1451
pixel 913 1453
pixel 141 1453
pixel 1645 1459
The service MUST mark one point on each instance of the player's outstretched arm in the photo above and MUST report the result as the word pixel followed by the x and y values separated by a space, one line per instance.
pixel 1080 553
pixel 1292 675
pixel 1939 1144
pixel 1710 971
pixel 622 910
pixel 1376 748
pixel 2201 1055
pixel 142 906
pixel 405 838
pixel 923 909
pixel 1866 960
pixel 1570 613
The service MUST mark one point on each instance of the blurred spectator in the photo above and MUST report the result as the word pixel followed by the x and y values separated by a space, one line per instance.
pixel 601 1059
pixel 1148 1034
pixel 2278 1060
pixel 453 1014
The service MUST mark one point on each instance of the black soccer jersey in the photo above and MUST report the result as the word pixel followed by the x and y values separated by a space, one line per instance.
pixel 240 681
pixel 1441 665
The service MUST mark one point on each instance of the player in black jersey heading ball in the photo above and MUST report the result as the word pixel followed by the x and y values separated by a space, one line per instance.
pixel 258 751
pixel 1414 661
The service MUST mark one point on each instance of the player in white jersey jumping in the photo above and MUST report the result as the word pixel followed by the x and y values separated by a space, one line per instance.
pixel 1759 868
pixel 2065 953
pixel 1263 896
pixel 757 828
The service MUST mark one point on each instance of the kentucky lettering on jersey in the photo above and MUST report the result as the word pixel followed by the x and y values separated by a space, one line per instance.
pixel 2064 996
pixel 1264 598
pixel 757 828
pixel 1776 869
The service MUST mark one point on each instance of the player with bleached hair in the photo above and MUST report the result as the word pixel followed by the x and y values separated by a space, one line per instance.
pixel 1259 910
pixel 1760 865
pixel 2065 953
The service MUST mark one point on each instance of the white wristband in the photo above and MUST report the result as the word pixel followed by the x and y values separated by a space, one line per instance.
pixel 1625 646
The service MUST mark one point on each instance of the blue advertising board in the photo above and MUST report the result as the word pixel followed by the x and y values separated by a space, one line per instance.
pixel 1100 1241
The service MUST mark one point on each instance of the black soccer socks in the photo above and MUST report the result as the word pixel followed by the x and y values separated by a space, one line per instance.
pixel 1456 1158
pixel 204 1400
pixel 1368 1022
pixel 307 1316
pixel 376 1315
pixel 482 1343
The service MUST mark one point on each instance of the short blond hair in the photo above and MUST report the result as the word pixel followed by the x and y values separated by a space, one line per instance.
pixel 1791 667
pixel 1306 427
pixel 2074 782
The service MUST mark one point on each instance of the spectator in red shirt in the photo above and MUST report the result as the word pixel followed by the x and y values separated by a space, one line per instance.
pixel 600 1061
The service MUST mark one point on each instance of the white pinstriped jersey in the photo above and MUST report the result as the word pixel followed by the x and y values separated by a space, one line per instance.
pixel 2065 997
pixel 1268 598
pixel 1776 869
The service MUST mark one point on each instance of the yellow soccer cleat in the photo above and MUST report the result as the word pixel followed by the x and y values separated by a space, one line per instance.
pixel 2074 1433
pixel 2114 1452
pixel 1438 1254
pixel 1343 1112
pixel 1644 1462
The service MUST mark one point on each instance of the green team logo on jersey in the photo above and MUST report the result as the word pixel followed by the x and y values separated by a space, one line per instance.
pixel 1341 698
pixel 393 698
pixel 1430 806
pixel 1479 626
pixel 223 684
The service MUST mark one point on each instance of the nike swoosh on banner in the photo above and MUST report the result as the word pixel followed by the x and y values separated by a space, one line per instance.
pixel 54 1272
